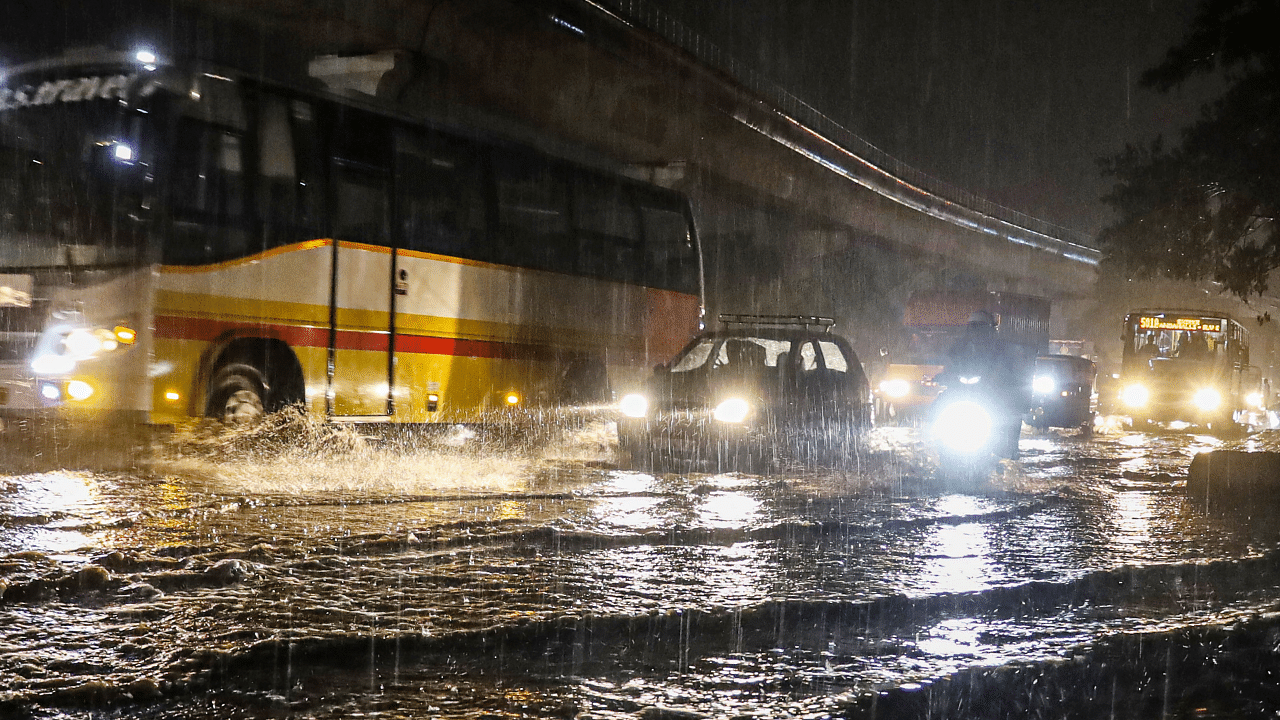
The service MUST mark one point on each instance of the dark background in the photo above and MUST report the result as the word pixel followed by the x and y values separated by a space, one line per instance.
pixel 1013 100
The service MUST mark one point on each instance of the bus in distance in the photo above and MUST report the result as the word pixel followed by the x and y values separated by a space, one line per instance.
pixel 1188 366
pixel 181 241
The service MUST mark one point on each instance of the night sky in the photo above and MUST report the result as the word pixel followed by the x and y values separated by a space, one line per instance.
pixel 1009 99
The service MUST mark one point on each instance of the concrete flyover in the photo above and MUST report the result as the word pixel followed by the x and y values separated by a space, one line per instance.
pixel 791 220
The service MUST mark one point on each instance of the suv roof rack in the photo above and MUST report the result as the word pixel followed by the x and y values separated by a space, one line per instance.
pixel 804 321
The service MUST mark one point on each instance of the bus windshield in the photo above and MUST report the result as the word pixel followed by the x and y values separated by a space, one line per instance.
pixel 1194 339
pixel 70 178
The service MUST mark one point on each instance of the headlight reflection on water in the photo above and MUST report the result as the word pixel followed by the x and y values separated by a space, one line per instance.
pixel 68 497
pixel 957 557
pixel 729 509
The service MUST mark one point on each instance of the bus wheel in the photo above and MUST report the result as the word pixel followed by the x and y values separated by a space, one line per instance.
pixel 236 395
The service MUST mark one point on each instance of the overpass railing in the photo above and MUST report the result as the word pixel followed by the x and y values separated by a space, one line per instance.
pixel 1066 241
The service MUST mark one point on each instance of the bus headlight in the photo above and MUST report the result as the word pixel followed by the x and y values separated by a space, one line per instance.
pixel 733 410
pixel 1043 384
pixel 895 388
pixel 634 405
pixel 80 344
pixel 1207 399
pixel 79 390
pixel 1135 395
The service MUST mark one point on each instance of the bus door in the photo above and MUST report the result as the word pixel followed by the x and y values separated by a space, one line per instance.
pixel 362 309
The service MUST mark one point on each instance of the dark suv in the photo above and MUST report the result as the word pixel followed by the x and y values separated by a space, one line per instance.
pixel 764 386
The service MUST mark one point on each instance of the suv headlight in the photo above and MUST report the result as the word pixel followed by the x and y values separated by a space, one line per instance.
pixel 634 405
pixel 733 410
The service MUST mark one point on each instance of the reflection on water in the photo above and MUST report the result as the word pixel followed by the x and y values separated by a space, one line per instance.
pixel 464 577
pixel 958 559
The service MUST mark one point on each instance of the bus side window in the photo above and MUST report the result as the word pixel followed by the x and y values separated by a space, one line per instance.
pixel 360 177
pixel 207 192
pixel 278 189
pixel 438 195
pixel 360 204
pixel 310 165
pixel 671 261
pixel 533 217
pixel 608 229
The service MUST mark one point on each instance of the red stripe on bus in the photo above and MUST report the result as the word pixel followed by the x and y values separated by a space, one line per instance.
pixel 187 328
pixel 182 328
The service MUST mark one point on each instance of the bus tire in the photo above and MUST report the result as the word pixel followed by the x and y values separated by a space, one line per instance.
pixel 237 395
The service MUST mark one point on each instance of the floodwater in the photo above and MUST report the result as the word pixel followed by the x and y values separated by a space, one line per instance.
pixel 306 572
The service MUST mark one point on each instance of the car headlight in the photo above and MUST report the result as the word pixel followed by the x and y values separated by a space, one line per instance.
pixel 634 405
pixel 1207 399
pixel 1043 384
pixel 895 388
pixel 1135 395
pixel 733 410
pixel 963 426
pixel 1254 399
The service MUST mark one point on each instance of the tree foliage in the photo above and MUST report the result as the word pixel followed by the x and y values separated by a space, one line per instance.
pixel 1206 209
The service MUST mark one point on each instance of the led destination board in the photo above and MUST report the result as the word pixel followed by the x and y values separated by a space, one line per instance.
pixel 1153 322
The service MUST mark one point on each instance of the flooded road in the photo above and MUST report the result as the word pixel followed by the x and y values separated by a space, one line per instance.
pixel 313 574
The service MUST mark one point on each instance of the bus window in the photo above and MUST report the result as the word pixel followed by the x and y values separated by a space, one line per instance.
pixel 310 166
pixel 608 230
pixel 278 187
pixel 360 176
pixel 207 193
pixel 439 197
pixel 360 204
pixel 533 219
pixel 670 258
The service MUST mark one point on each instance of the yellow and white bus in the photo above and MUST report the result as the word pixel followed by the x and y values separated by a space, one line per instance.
pixel 182 242
pixel 1189 366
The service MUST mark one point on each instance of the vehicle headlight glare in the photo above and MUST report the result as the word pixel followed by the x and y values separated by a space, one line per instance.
pixel 634 405
pixel 963 426
pixel 1207 399
pixel 79 390
pixel 81 344
pixel 733 410
pixel 49 364
pixel 1254 399
pixel 1135 395
pixel 1043 384
pixel 895 388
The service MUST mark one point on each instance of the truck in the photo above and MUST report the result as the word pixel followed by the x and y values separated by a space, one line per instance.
pixel 905 388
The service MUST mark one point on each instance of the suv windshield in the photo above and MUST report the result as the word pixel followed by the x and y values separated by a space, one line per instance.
pixel 71 174
pixel 733 351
